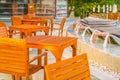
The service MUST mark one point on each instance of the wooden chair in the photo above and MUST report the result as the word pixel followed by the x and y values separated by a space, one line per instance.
pixel 3 30
pixel 51 23
pixel 14 59
pixel 16 20
pixel 75 68
pixel 60 28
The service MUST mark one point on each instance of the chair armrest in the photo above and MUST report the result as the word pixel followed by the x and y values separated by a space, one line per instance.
pixel 56 23
pixel 39 56
pixel 10 34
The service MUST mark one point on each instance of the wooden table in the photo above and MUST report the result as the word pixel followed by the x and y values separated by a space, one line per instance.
pixel 26 30
pixel 55 44
pixel 35 21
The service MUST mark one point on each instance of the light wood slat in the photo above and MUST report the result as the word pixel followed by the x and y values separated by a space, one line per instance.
pixel 12 47
pixel 12 55
pixel 18 51
pixel 8 60
pixel 83 76
pixel 13 67
pixel 11 72
pixel 11 52
pixel 8 44
pixel 16 70
pixel 72 73
pixel 69 67
pixel 10 63
pixel 73 77
pixel 75 68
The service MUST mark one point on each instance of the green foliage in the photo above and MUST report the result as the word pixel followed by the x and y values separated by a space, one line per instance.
pixel 80 7
pixel 34 1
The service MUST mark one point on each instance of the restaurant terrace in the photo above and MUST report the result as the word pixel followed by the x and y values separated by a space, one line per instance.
pixel 59 40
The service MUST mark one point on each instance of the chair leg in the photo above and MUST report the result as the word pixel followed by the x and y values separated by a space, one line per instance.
pixel 51 32
pixel 27 78
pixel 13 77
pixel 39 60
pixel 30 77
pixel 44 75
pixel 59 33
pixel 18 78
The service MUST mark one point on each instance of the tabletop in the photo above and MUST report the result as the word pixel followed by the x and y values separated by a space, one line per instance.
pixel 27 26
pixel 35 21
pixel 27 29
pixel 56 44
pixel 49 40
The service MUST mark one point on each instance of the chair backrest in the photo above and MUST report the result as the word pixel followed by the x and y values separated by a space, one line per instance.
pixel 62 23
pixel 16 20
pixel 13 57
pixel 3 30
pixel 75 68
pixel 51 22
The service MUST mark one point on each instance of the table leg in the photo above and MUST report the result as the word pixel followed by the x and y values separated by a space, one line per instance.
pixel 58 54
pixel 39 60
pixel 26 33
pixel 46 23
pixel 10 33
pixel 74 47
pixel 21 35
pixel 46 31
